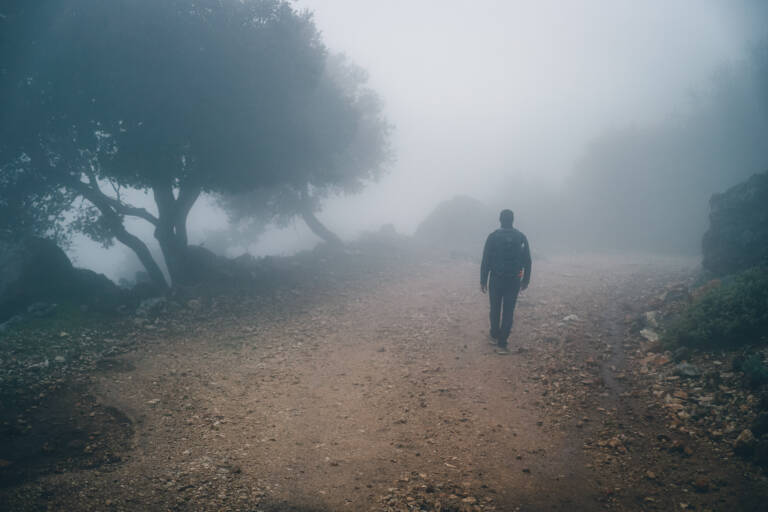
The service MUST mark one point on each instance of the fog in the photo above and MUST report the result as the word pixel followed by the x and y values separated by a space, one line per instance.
pixel 507 102
pixel 505 89
pixel 240 243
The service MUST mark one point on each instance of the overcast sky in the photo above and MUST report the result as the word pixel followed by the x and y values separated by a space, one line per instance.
pixel 483 91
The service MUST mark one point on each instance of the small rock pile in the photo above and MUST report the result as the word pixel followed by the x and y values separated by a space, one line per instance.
pixel 417 492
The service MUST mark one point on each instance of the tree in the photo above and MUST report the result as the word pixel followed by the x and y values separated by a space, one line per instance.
pixel 174 98
pixel 361 137
pixel 647 187
pixel 29 207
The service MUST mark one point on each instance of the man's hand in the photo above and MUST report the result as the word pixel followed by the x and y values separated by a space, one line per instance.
pixel 483 287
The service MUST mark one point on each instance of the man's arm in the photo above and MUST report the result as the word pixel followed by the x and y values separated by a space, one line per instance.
pixel 484 268
pixel 526 264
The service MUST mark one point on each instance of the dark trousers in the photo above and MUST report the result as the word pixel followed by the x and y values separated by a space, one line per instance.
pixel 502 291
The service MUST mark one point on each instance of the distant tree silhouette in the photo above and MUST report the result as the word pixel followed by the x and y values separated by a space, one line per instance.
pixel 647 187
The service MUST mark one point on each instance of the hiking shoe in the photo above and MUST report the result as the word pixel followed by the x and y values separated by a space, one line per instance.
pixel 502 351
pixel 492 340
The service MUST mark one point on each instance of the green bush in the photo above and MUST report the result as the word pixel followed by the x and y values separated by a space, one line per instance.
pixel 732 315
pixel 755 370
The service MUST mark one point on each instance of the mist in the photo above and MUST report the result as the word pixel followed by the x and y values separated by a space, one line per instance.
pixel 511 95
pixel 240 243
pixel 512 102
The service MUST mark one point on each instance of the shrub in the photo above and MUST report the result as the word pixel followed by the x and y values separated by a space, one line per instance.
pixel 755 371
pixel 729 316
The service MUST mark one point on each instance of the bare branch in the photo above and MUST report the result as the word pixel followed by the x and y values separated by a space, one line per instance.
pixel 116 188
pixel 103 201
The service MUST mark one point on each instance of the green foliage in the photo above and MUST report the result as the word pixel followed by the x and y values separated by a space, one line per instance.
pixel 732 315
pixel 67 317
pixel 360 155
pixel 755 370
pixel 210 91
pixel 176 98
pixel 30 206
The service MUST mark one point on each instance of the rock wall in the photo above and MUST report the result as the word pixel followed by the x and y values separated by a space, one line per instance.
pixel 737 237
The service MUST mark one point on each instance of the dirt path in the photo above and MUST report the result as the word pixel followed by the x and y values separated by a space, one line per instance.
pixel 385 398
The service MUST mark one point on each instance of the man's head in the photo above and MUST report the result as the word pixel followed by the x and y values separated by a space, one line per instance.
pixel 507 218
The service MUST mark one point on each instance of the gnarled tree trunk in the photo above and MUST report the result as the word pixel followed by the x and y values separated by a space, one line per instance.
pixel 314 223
pixel 171 228
pixel 112 212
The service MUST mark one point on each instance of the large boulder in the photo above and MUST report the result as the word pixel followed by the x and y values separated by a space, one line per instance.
pixel 36 270
pixel 738 233
pixel 458 226
pixel 203 267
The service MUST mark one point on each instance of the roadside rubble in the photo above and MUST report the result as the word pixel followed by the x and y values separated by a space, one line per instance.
pixel 703 395
pixel 661 429
pixel 417 491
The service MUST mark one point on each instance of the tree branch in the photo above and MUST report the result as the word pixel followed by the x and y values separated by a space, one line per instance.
pixel 111 209
pixel 94 194
pixel 139 248
pixel 132 211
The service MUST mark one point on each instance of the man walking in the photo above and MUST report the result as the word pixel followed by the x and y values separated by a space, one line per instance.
pixel 507 259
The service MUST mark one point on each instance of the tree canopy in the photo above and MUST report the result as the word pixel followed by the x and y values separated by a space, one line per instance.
pixel 343 85
pixel 176 98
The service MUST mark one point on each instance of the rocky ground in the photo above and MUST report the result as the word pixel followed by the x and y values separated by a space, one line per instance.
pixel 378 390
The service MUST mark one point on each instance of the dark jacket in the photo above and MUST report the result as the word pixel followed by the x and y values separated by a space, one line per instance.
pixel 506 254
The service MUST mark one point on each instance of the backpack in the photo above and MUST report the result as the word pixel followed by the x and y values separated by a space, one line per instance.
pixel 508 257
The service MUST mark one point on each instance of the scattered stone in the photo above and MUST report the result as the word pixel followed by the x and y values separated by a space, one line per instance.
pixel 655 360
pixel 649 335
pixel 651 319
pixel 150 306
pixel 617 445
pixel 681 354
pixel 701 484
pixel 716 435
pixel 744 445
pixel 687 370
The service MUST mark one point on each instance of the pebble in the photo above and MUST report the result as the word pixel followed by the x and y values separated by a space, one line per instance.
pixel 745 443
